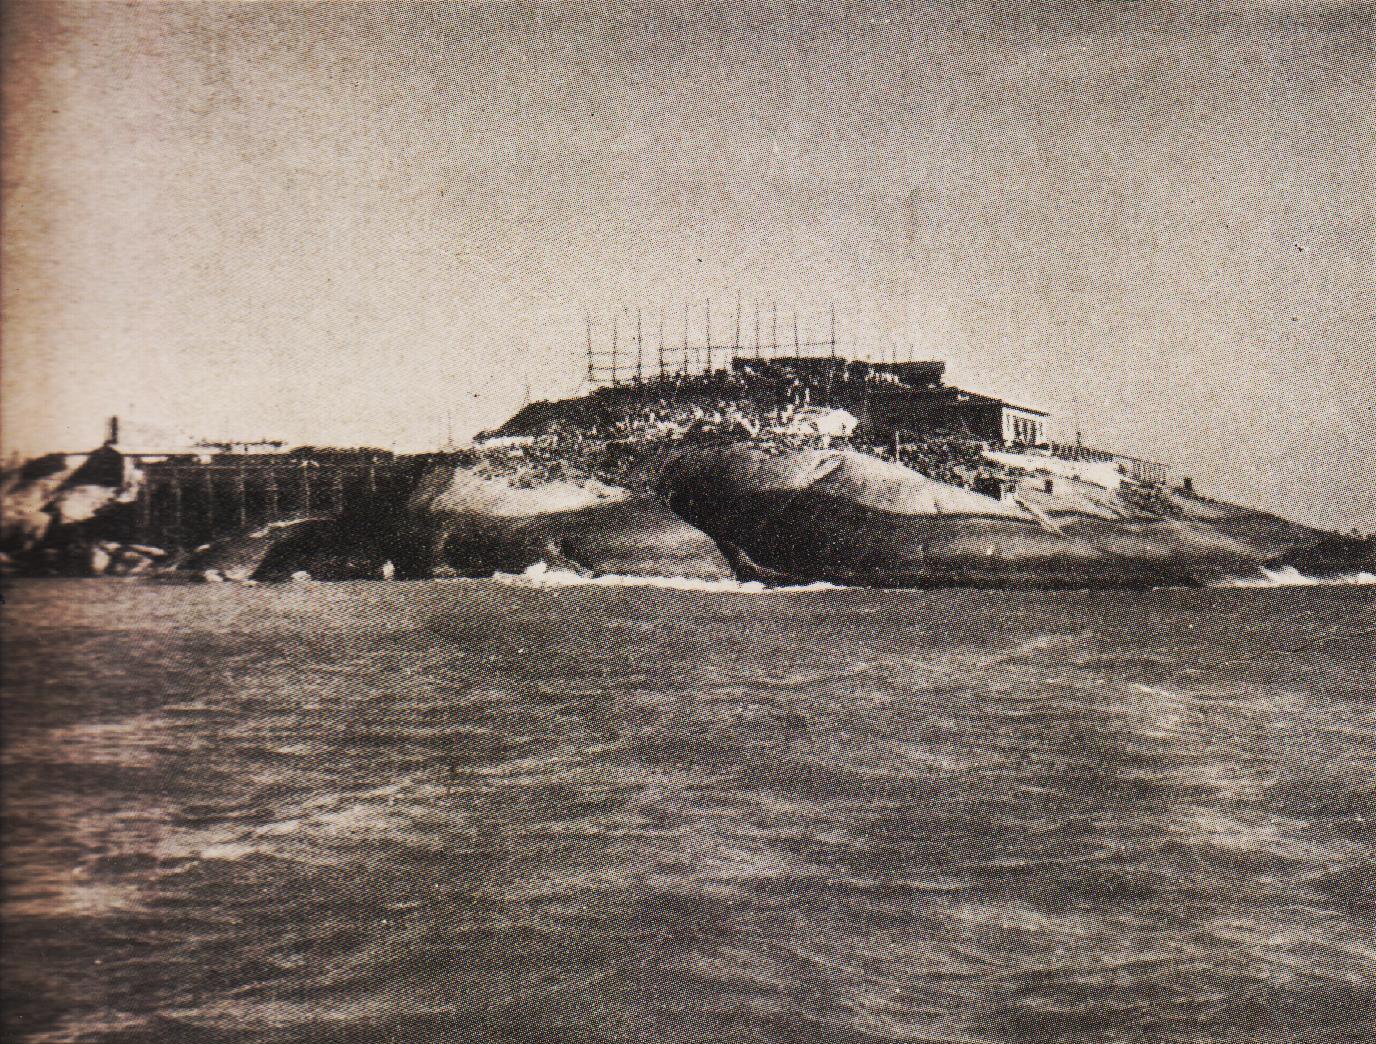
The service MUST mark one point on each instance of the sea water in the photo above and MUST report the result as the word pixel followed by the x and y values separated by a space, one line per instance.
pixel 547 811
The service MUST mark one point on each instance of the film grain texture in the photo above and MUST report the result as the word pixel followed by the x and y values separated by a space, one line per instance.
pixel 479 811
pixel 688 522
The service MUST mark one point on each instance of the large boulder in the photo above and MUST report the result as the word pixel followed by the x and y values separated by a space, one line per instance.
pixel 65 501
pixel 851 518
pixel 242 555
pixel 821 421
pixel 24 496
pixel 459 521
pixel 1335 558
pixel 354 546
pixel 75 504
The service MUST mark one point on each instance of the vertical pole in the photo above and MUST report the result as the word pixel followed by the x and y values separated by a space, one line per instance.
pixel 615 317
pixel 305 487
pixel 708 368
pixel 773 329
pixel 833 331
pixel 146 508
pixel 757 330
pixel 661 342
pixel 209 501
pixel 177 506
pixel 797 345
pixel 736 340
pixel 684 371
pixel 272 494
pixel 639 350
pixel 587 323
pixel 372 478
pixel 242 488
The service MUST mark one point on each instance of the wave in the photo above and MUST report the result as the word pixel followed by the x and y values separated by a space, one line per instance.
pixel 1289 576
pixel 542 575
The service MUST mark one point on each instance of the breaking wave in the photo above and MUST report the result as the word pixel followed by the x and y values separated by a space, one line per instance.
pixel 1289 576
pixel 542 575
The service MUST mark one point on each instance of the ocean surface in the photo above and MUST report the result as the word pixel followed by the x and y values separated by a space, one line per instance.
pixel 485 811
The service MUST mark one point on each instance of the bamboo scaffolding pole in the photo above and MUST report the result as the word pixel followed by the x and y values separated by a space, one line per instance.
pixel 661 342
pixel 639 350
pixel 684 371
pixel 736 340
pixel 708 366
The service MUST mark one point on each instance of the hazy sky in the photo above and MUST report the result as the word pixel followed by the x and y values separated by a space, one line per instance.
pixel 335 222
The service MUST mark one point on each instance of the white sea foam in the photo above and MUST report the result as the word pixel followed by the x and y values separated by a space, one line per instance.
pixel 541 575
pixel 544 576
pixel 1289 576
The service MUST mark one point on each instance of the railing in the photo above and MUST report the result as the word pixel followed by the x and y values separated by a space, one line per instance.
pixel 1147 472
pixel 1067 451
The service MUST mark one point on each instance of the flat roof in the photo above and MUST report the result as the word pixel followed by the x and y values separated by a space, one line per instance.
pixel 1025 409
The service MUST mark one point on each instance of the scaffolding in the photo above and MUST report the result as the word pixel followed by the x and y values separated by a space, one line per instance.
pixel 609 363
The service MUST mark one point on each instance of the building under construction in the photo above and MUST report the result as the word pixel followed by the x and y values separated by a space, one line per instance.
pixel 627 363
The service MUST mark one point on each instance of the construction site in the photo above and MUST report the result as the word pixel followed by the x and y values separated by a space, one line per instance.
pixel 772 380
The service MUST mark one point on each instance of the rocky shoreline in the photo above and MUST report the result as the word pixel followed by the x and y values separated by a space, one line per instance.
pixel 718 510
pixel 715 477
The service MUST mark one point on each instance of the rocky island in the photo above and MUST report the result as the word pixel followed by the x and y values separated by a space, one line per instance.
pixel 782 470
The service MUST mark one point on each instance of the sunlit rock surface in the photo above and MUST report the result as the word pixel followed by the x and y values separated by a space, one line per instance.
pixel 473 525
pixel 25 493
pixel 850 518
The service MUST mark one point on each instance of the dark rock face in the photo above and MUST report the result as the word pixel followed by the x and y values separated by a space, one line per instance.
pixel 474 526
pixel 457 523
pixel 353 546
pixel 344 548
pixel 25 494
pixel 849 518
pixel 53 512
pixel 639 537
pixel 1334 558
pixel 242 556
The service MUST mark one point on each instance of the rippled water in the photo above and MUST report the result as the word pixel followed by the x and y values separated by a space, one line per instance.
pixel 456 811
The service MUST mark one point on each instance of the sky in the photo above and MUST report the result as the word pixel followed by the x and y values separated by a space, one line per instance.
pixel 342 223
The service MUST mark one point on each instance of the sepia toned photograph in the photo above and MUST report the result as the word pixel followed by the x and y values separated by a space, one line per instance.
pixel 688 522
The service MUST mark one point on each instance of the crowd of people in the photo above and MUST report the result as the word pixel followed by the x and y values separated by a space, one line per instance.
pixel 620 435
pixel 955 460
pixel 624 446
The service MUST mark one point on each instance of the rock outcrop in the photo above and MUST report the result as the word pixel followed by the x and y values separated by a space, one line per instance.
pixel 273 551
pixel 26 493
pixel 847 517
pixel 1337 557
pixel 460 522
pixel 653 500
